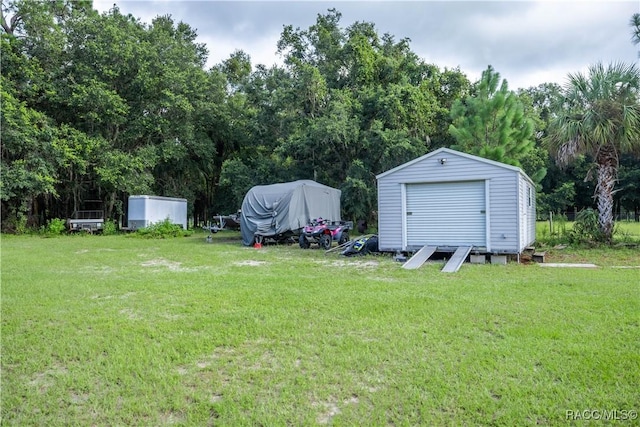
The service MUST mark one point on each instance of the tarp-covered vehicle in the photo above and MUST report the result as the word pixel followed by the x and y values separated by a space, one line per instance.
pixel 280 211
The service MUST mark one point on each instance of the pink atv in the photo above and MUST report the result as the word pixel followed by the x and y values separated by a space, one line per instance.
pixel 324 232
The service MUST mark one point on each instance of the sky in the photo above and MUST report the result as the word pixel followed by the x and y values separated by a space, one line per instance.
pixel 527 42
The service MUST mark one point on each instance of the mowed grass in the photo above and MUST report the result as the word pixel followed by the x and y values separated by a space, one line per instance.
pixel 113 330
pixel 625 232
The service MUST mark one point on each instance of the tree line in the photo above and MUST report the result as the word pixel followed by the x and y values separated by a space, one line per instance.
pixel 103 106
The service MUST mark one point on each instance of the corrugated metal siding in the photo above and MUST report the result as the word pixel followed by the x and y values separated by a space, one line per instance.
pixel 389 216
pixel 449 213
pixel 504 212
pixel 503 197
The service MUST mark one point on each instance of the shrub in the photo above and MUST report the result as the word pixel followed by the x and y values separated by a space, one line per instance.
pixel 109 228
pixel 56 227
pixel 586 228
pixel 15 224
pixel 163 230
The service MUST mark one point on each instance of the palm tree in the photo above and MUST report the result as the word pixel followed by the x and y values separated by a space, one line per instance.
pixel 635 25
pixel 600 117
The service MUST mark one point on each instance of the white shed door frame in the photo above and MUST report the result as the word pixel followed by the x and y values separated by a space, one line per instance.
pixel 452 213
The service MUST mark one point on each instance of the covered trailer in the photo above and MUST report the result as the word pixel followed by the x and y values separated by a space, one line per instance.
pixel 281 210
pixel 146 210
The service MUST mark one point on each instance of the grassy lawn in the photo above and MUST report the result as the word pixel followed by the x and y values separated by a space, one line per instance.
pixel 624 231
pixel 113 330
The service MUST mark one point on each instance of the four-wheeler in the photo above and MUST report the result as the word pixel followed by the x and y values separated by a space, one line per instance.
pixel 324 232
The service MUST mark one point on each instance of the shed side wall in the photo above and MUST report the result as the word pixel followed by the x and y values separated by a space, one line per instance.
pixel 528 213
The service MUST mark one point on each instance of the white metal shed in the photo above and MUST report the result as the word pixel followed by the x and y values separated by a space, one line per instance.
pixel 447 198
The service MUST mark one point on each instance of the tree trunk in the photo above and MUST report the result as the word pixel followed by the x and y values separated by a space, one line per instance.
pixel 111 201
pixel 607 171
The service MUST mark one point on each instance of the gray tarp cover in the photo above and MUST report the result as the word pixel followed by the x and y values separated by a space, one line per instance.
pixel 270 210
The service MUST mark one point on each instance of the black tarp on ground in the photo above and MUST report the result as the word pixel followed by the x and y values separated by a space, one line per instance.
pixel 273 210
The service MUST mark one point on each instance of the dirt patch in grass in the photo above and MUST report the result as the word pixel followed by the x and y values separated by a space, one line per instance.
pixel 78 398
pixel 172 417
pixel 123 296
pixel 350 263
pixel 330 411
pixel 161 262
pixel 249 263
pixel 169 265
pixel 84 251
pixel 43 380
pixel 168 316
pixel 130 314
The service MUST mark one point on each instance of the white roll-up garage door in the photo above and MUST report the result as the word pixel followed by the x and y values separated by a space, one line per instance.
pixel 446 214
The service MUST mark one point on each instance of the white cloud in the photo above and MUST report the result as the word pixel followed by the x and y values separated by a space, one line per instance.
pixel 261 51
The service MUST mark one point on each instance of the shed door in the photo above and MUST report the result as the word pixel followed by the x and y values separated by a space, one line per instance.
pixel 446 214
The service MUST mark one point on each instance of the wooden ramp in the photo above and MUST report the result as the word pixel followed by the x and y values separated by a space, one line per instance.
pixel 459 256
pixel 419 257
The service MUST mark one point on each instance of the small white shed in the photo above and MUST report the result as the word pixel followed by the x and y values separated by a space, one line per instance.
pixel 449 199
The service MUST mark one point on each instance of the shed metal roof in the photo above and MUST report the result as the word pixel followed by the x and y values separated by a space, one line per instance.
pixel 444 150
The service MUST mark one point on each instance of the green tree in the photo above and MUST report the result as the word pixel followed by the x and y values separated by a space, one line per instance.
pixel 225 123
pixel 448 86
pixel 629 182
pixel 102 89
pixel 136 86
pixel 33 43
pixel 28 158
pixel 556 200
pixel 124 101
pixel 23 16
pixel 491 122
pixel 355 104
pixel 600 117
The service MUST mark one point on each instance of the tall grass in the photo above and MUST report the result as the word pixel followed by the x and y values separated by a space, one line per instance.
pixel 108 330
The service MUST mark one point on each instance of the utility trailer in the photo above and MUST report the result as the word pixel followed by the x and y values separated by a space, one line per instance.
pixel 90 219
pixel 146 210
pixel 224 222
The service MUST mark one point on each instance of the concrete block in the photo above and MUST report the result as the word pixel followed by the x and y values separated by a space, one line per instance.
pixel 539 256
pixel 477 259
pixel 499 259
